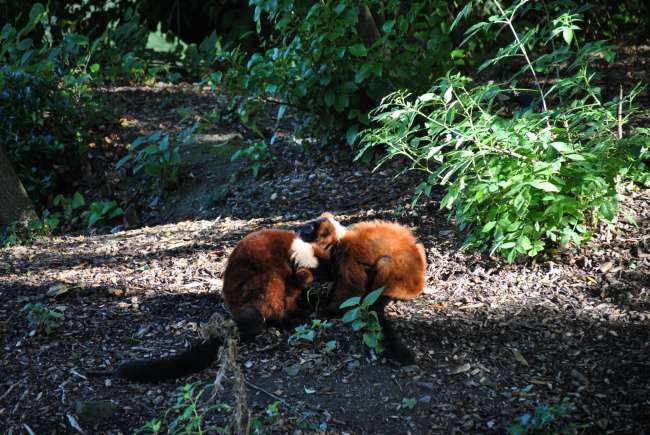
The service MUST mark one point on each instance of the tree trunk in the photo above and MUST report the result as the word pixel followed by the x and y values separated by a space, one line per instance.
pixel 15 205
pixel 367 27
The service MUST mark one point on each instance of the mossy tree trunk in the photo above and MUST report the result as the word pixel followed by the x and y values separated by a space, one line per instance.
pixel 15 205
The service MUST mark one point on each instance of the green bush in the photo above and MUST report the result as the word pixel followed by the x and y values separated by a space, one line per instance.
pixel 336 60
pixel 43 110
pixel 187 415
pixel 158 155
pixel 121 49
pixel 43 319
pixel 258 155
pixel 27 232
pixel 103 212
pixel 313 334
pixel 547 419
pixel 525 163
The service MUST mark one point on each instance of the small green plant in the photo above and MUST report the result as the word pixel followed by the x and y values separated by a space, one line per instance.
pixel 258 154
pixel 69 204
pixel 43 319
pixel 310 333
pixel 259 425
pixel 103 211
pixel 121 49
pixel 364 319
pixel 158 155
pixel 329 346
pixel 547 419
pixel 408 403
pixel 188 413
pixel 28 232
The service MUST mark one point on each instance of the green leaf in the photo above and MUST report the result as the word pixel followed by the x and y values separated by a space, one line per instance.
pixel 358 50
pixel 330 97
pixel 561 147
pixel 544 185
pixel 164 143
pixel 362 73
pixel 409 402
pixel 77 200
pixel 358 324
pixel 93 218
pixel 351 134
pixel 349 87
pixel 139 141
pixel 488 226
pixel 607 210
pixel 115 212
pixel 370 340
pixel 7 29
pixel 462 14
pixel 449 93
pixel 351 315
pixel 353 301
pixel 24 44
pixel 342 101
pixel 630 218
pixel 36 13
pixel 372 297
pixel 567 35
pixel 457 54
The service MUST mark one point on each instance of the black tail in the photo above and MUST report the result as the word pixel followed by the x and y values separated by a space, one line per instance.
pixel 194 359
pixel 395 348
pixel 198 357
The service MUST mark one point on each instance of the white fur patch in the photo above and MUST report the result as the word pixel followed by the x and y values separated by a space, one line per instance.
pixel 340 229
pixel 302 254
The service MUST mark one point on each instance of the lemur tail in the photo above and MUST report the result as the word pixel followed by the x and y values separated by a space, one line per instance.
pixel 193 360
pixel 198 357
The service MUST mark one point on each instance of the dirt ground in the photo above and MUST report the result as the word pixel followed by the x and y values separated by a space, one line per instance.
pixel 492 340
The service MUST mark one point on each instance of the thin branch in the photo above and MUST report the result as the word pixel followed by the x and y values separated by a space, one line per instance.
pixel 6 393
pixel 620 111
pixel 525 53
pixel 268 393
pixel 285 103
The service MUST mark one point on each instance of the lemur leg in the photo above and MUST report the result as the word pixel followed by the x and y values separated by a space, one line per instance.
pixel 395 348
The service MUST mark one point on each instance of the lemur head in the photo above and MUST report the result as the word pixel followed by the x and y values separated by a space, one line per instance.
pixel 324 231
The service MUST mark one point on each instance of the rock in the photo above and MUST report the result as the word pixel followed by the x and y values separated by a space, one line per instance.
pixel 606 267
pixel 293 369
pixel 352 365
pixel 91 411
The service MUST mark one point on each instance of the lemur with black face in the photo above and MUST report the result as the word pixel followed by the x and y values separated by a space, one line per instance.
pixel 371 255
pixel 264 277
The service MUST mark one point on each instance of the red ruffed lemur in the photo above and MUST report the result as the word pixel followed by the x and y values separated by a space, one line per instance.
pixel 264 277
pixel 371 255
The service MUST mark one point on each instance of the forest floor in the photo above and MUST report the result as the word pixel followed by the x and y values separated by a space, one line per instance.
pixel 492 340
